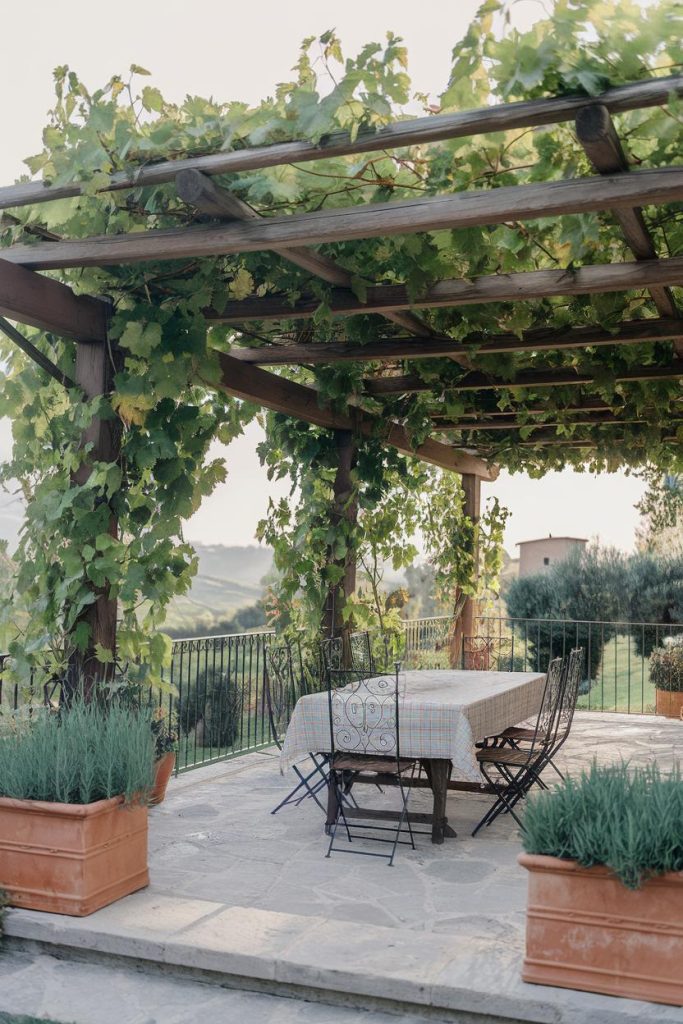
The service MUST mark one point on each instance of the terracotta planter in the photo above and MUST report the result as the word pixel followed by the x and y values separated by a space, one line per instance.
pixel 163 768
pixel 71 858
pixel 585 930
pixel 670 703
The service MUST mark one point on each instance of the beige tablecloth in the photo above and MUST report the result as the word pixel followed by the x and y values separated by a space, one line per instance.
pixel 442 714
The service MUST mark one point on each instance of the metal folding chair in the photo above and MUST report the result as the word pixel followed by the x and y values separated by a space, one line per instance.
pixel 281 694
pixel 364 738
pixel 517 768
pixel 518 735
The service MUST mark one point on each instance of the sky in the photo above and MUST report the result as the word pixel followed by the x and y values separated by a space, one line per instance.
pixel 241 51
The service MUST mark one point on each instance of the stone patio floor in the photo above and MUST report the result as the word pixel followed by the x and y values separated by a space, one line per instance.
pixel 249 900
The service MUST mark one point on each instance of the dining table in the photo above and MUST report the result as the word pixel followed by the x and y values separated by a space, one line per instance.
pixel 443 714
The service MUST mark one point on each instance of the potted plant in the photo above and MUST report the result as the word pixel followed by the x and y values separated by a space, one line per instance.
pixel 604 854
pixel 666 673
pixel 165 744
pixel 73 814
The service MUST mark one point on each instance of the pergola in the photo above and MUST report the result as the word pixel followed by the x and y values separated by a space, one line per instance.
pixel 466 444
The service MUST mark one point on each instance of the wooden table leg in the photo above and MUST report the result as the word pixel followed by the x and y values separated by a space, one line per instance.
pixel 438 773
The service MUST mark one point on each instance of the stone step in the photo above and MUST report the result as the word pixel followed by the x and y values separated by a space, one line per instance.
pixel 35 986
pixel 389 970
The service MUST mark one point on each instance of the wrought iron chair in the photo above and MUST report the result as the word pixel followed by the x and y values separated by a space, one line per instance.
pixel 517 735
pixel 487 653
pixel 281 695
pixel 349 655
pixel 364 738
pixel 517 768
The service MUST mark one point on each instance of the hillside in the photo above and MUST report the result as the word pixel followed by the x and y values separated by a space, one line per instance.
pixel 229 578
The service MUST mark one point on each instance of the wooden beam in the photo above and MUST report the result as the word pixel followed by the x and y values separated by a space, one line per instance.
pixel 514 424
pixel 49 305
pixel 633 332
pixel 102 437
pixel 370 220
pixel 344 511
pixel 486 406
pixel 596 132
pixel 477 381
pixel 199 191
pixel 531 284
pixel 566 442
pixel 464 621
pixel 292 399
pixel 411 132
pixel 35 354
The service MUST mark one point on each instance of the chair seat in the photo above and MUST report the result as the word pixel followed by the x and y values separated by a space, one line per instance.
pixel 515 732
pixel 344 762
pixel 518 732
pixel 503 755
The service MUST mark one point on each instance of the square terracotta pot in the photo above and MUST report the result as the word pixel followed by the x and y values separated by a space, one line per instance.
pixel 586 930
pixel 670 703
pixel 71 858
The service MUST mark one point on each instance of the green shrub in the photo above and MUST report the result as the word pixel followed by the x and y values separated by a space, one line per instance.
pixel 666 667
pixel 79 755
pixel 212 706
pixel 629 820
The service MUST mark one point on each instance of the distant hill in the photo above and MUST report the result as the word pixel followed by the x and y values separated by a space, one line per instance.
pixel 229 578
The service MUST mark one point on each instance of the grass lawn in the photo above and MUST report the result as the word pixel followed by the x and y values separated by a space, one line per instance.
pixel 622 681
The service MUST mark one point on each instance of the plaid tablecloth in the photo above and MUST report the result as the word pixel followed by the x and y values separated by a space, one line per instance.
pixel 441 714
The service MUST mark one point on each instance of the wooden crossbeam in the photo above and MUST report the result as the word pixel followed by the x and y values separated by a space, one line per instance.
pixel 566 442
pixel 415 131
pixel 49 305
pixel 530 284
pixel 596 132
pixel 632 332
pixel 514 424
pixel 292 399
pixel 486 406
pixel 205 195
pixel 477 381
pixel 370 220
pixel 549 434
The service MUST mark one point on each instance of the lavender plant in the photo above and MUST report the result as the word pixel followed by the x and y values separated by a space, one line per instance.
pixel 80 755
pixel 628 819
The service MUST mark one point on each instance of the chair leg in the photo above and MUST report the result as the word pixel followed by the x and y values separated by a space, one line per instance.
pixel 304 783
pixel 336 805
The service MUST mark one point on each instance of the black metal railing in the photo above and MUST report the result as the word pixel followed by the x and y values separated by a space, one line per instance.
pixel 214 699
pixel 220 702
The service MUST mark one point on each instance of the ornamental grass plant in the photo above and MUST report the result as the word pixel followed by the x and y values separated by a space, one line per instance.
pixel 77 756
pixel 627 819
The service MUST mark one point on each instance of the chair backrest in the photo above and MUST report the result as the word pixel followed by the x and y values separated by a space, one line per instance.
pixel 362 660
pixel 546 723
pixel 280 689
pixel 364 716
pixel 487 653
pixel 573 675
pixel 347 658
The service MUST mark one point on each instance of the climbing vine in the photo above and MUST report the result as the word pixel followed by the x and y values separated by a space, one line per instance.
pixel 165 352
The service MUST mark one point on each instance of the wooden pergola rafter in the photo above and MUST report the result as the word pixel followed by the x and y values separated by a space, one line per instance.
pixel 233 227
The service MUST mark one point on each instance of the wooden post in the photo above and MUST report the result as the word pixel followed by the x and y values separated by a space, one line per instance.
pixel 464 626
pixel 94 374
pixel 345 510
